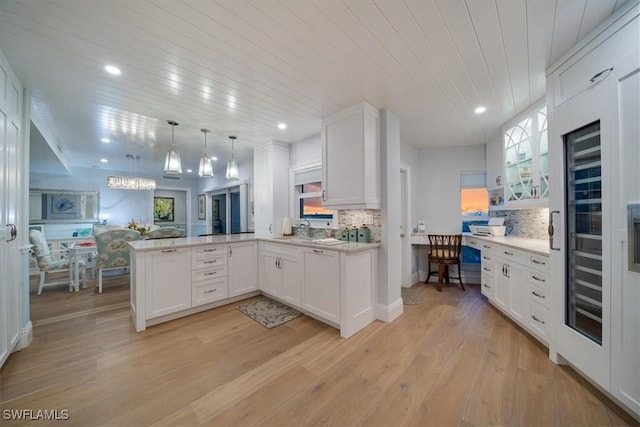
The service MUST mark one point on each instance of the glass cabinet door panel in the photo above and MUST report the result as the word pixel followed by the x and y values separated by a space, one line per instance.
pixel 543 154
pixel 584 231
pixel 518 161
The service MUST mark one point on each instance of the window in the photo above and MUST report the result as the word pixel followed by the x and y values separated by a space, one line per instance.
pixel 307 194
pixel 474 197
pixel 310 202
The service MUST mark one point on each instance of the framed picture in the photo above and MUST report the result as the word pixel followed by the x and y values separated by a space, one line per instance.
pixel 63 206
pixel 163 209
pixel 202 206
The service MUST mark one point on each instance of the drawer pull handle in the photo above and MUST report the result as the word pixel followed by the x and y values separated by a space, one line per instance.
pixel 535 261
pixel 487 258
pixel 164 251
pixel 211 262
pixel 318 251
pixel 486 246
pixel 210 273
pixel 210 250
pixel 210 290
pixel 473 242
pixel 538 279
pixel 536 319
pixel 508 253
pixel 534 293
pixel 486 286
pixel 486 269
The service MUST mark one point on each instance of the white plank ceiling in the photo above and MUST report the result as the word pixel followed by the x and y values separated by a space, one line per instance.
pixel 242 67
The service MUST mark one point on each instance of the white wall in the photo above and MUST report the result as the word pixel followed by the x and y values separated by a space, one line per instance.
pixel 409 156
pixel 305 151
pixel 120 205
pixel 437 184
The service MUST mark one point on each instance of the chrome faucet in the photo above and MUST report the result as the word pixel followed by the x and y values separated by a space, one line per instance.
pixel 306 225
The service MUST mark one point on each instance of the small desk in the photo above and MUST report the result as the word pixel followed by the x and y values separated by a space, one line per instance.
pixel 76 251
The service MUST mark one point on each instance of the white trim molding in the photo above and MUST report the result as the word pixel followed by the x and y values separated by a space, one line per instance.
pixel 389 313
pixel 26 335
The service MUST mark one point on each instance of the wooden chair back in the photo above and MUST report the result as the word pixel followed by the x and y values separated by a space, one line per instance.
pixel 445 247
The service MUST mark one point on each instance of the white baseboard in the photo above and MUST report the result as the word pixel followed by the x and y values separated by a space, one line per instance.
pixel 389 313
pixel 26 335
pixel 415 277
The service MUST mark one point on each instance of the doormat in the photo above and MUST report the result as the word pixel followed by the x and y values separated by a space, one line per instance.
pixel 413 295
pixel 269 313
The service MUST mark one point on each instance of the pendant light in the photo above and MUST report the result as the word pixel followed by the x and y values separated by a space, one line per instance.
pixel 172 164
pixel 206 169
pixel 232 166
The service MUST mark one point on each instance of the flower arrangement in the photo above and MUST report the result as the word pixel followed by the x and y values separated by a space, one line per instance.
pixel 143 229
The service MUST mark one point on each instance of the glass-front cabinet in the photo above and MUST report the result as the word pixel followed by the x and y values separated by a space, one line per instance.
pixel 526 155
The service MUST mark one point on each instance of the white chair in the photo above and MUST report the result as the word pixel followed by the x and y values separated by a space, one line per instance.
pixel 46 264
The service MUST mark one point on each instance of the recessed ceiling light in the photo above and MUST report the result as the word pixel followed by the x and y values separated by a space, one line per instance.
pixel 481 109
pixel 282 126
pixel 189 170
pixel 105 140
pixel 103 160
pixel 214 158
pixel 112 70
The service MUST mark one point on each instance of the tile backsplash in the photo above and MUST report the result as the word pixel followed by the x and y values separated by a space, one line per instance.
pixel 531 223
pixel 349 219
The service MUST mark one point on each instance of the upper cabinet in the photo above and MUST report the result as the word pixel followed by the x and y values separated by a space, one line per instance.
pixel 351 158
pixel 526 160
pixel 271 187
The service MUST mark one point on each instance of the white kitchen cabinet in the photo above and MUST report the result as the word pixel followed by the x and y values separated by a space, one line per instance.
pixel 526 160
pixel 351 158
pixel 169 270
pixel 322 283
pixel 494 153
pixel 243 267
pixel 595 318
pixel 502 291
pixel 271 187
pixel 487 272
pixel 282 272
pixel 209 274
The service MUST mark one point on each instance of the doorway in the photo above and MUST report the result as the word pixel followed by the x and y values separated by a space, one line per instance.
pixel 229 208
pixel 219 214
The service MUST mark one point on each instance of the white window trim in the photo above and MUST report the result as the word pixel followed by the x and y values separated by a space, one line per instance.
pixel 294 205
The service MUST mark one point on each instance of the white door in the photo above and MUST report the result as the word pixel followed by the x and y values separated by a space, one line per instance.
pixel 580 259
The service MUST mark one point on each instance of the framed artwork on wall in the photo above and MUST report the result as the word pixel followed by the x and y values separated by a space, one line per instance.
pixel 63 206
pixel 163 209
pixel 202 206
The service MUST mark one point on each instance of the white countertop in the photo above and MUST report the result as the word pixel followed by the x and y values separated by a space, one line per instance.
pixel 148 245
pixel 538 246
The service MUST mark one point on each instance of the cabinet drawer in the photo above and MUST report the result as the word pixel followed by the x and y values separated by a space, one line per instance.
pixel 538 278
pixel 487 256
pixel 210 250
pixel 213 290
pixel 539 262
pixel 485 247
pixel 473 242
pixel 208 274
pixel 209 260
pixel 276 250
pixel 487 268
pixel 487 286
pixel 511 254
pixel 419 240
pixel 538 295
pixel 538 320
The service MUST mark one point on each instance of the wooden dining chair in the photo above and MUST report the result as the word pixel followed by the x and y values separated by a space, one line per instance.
pixel 444 250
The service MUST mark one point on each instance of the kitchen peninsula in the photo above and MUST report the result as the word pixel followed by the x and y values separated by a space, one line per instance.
pixel 173 278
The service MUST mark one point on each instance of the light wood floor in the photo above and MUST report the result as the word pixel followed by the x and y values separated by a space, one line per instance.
pixel 453 360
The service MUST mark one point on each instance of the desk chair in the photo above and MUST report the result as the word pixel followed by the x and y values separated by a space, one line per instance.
pixel 444 250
